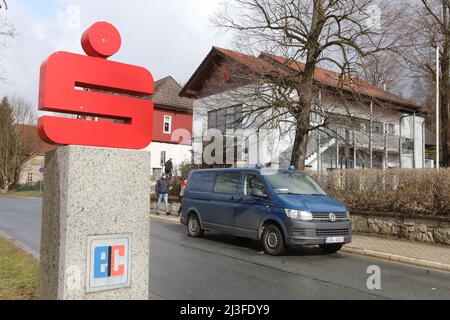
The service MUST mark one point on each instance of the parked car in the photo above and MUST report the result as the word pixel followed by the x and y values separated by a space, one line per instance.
pixel 281 208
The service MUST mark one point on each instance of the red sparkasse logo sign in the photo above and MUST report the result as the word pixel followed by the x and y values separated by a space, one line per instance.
pixel 92 86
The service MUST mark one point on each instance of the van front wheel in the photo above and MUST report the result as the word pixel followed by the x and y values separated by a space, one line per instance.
pixel 272 240
pixel 193 225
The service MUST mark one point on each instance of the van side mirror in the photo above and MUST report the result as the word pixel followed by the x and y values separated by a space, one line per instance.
pixel 258 193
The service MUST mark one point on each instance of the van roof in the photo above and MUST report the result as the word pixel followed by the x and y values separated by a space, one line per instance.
pixel 259 170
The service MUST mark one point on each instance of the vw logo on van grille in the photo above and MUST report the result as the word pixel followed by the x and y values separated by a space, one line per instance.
pixel 332 217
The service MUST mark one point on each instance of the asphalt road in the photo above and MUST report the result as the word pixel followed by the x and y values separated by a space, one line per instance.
pixel 224 267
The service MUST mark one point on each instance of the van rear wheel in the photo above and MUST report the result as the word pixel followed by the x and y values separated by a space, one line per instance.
pixel 194 227
pixel 272 240
pixel 330 248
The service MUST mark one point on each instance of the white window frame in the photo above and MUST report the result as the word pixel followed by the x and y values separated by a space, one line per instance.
pixel 167 119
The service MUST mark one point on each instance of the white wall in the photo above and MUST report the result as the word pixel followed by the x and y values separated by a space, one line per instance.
pixel 179 153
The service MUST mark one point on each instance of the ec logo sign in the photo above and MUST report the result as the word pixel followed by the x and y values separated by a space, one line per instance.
pixel 92 86
pixel 108 262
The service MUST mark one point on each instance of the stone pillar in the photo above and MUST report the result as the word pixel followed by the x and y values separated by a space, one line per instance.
pixel 95 200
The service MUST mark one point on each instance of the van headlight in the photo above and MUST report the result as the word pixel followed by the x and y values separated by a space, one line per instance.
pixel 348 216
pixel 299 215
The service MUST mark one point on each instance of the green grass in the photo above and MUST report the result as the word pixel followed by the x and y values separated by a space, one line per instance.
pixel 19 273
pixel 15 193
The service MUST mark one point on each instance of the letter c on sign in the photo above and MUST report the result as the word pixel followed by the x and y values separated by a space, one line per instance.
pixel 117 268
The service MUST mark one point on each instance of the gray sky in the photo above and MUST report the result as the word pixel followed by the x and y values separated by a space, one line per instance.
pixel 168 37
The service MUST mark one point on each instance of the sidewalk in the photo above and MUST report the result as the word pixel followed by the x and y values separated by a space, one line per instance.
pixel 392 249
pixel 399 250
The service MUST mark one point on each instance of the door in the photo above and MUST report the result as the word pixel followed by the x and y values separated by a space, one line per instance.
pixel 222 206
pixel 251 210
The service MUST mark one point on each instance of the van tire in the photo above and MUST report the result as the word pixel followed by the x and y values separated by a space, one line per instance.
pixel 194 228
pixel 273 240
pixel 330 248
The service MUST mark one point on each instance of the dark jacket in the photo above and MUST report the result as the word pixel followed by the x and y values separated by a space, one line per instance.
pixel 162 186
pixel 168 166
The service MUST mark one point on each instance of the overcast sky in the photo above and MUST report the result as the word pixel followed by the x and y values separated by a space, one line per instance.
pixel 169 37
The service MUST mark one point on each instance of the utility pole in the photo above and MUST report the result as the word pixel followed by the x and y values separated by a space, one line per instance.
pixel 370 135
pixel 437 108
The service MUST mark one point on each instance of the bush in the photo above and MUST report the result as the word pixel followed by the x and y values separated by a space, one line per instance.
pixel 409 191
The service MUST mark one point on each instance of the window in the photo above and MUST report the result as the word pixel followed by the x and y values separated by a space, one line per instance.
pixel 377 127
pixel 252 181
pixel 163 158
pixel 226 118
pixel 315 117
pixel 30 177
pixel 294 183
pixel 201 181
pixel 227 183
pixel 391 129
pixel 167 124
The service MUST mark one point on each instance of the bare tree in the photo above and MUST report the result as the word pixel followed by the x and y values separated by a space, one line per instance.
pixel 384 70
pixel 314 32
pixel 6 31
pixel 429 27
pixel 23 111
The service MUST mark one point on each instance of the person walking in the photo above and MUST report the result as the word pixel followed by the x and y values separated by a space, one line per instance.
pixel 162 190
pixel 168 167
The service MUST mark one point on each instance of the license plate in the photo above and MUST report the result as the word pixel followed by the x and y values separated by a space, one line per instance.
pixel 334 240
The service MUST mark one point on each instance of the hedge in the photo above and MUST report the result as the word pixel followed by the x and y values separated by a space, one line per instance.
pixel 409 191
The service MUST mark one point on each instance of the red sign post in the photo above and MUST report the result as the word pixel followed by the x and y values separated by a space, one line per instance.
pixel 96 87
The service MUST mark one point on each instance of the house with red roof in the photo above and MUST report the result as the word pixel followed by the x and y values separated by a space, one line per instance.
pixel 387 130
pixel 172 126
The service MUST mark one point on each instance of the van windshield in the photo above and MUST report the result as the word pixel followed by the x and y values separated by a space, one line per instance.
pixel 294 183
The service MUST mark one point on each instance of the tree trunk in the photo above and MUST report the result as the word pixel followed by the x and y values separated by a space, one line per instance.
pixel 300 148
pixel 305 90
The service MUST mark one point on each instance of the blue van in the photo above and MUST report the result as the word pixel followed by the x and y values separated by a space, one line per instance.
pixel 280 208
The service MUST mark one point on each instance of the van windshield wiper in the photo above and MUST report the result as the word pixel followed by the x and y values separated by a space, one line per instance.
pixel 302 194
pixel 292 193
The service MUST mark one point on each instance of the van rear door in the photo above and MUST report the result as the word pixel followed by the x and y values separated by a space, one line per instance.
pixel 223 205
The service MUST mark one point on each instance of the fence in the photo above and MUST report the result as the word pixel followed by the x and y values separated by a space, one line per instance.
pixel 409 191
pixel 31 186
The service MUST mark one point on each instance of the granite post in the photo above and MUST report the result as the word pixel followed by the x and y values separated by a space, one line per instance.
pixel 95 192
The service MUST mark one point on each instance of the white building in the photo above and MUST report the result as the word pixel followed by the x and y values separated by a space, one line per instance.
pixel 391 132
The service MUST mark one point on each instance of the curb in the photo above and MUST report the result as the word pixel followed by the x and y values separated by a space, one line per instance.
pixel 396 258
pixel 21 197
pixel 174 219
pixel 20 245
